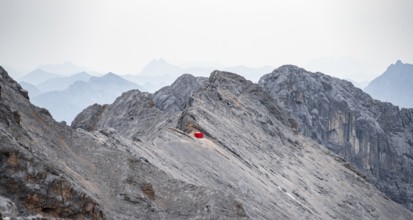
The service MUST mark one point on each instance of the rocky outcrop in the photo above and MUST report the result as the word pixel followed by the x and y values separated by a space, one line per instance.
pixel 375 137
pixel 136 161
pixel 133 114
pixel 139 115
pixel 175 97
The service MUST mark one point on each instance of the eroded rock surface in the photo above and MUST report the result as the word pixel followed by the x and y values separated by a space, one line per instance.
pixel 49 169
pixel 251 150
pixel 375 137
pixel 133 160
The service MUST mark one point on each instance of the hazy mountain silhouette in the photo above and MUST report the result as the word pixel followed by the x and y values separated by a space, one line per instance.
pixel 64 105
pixel 31 89
pixel 395 85
pixel 66 68
pixel 62 83
pixel 38 76
pixel 159 67
pixel 159 73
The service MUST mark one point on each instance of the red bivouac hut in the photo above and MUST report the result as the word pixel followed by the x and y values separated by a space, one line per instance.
pixel 199 134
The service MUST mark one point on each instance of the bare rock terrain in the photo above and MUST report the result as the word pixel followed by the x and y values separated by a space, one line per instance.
pixel 136 160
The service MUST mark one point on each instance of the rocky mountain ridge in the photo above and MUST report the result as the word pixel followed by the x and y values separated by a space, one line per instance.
pixel 243 124
pixel 51 170
pixel 376 137
pixel 132 160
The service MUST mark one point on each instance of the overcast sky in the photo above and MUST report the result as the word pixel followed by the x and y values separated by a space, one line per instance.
pixel 348 38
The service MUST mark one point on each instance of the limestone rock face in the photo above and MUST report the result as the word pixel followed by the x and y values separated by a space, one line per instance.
pixel 132 160
pixel 375 137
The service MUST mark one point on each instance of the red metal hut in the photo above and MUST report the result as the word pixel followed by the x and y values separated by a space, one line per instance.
pixel 199 134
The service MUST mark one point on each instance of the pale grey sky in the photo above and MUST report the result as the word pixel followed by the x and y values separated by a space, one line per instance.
pixel 348 38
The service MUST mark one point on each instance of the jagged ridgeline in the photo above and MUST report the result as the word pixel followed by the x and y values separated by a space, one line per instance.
pixel 137 159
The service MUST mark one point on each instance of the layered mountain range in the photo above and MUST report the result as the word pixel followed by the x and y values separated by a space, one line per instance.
pixel 137 158
pixel 79 91
pixel 158 73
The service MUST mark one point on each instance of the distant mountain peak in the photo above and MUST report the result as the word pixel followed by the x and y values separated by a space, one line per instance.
pixel 399 62
pixel 160 67
pixel 394 85
pixel 108 77
pixel 110 74
pixel 160 60
pixel 65 68
pixel 38 76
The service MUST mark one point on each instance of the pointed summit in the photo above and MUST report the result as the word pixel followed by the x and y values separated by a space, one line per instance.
pixel 66 68
pixel 399 62
pixel 159 67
